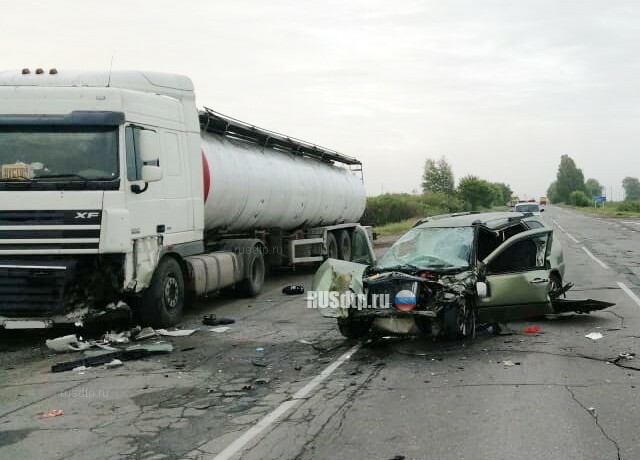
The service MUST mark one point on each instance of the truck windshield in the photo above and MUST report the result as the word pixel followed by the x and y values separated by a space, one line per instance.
pixel 431 248
pixel 60 154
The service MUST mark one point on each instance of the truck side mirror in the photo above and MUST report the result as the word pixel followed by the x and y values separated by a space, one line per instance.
pixel 149 146
pixel 151 173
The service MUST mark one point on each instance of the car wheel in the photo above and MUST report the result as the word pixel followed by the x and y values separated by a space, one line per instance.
pixel 332 246
pixel 163 301
pixel 555 282
pixel 459 321
pixel 354 328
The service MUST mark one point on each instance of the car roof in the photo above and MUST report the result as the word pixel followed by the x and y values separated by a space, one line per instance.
pixel 491 220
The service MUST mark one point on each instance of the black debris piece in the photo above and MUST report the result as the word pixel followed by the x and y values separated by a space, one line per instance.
pixel 212 320
pixel 293 289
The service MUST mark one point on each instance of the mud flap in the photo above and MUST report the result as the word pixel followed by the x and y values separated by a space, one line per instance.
pixel 579 306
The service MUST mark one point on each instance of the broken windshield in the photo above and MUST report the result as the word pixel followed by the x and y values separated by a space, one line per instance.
pixel 431 248
pixel 39 154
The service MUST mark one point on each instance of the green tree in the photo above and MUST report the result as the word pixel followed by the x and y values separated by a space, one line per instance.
pixel 579 198
pixel 476 192
pixel 568 179
pixel 592 188
pixel 438 177
pixel 505 193
pixel 631 187
pixel 552 193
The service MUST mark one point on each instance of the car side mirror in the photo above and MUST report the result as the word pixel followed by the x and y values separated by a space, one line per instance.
pixel 151 173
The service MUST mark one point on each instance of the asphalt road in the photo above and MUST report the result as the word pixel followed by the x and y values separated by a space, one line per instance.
pixel 320 397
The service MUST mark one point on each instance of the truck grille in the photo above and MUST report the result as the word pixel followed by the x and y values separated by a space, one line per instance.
pixel 57 230
pixel 34 291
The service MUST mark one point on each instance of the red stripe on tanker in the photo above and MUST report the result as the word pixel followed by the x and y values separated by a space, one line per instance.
pixel 259 187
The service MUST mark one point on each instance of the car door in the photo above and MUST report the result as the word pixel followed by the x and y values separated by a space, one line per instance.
pixel 340 275
pixel 517 278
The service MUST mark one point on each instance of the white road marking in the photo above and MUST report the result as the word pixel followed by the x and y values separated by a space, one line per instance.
pixel 630 293
pixel 271 418
pixel 599 262
pixel 630 222
pixel 564 231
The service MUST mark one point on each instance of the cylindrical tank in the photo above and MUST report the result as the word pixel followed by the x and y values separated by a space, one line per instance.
pixel 248 186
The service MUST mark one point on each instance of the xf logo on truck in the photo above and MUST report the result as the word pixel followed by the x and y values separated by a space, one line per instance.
pixel 87 215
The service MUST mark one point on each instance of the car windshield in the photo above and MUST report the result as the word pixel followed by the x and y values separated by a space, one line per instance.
pixel 431 248
pixel 58 153
pixel 527 208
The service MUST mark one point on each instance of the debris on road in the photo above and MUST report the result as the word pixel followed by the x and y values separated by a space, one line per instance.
pixel 594 336
pixel 262 381
pixel 145 333
pixel 53 413
pixel 67 343
pixel 113 363
pixel 176 333
pixel 293 289
pixel 100 357
pixel 531 329
pixel 212 320
pixel 116 337
pixel 592 411
pixel 509 363
pixel 623 357
pixel 220 329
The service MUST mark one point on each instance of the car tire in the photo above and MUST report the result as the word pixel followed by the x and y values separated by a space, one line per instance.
pixel 459 322
pixel 252 285
pixel 332 246
pixel 344 245
pixel 555 282
pixel 163 301
pixel 354 328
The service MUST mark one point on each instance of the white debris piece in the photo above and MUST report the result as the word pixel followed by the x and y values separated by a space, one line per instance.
pixel 67 343
pixel 113 363
pixel 220 329
pixel 178 333
pixel 116 337
pixel 594 336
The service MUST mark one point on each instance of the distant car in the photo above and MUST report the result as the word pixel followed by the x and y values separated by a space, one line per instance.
pixel 448 273
pixel 533 208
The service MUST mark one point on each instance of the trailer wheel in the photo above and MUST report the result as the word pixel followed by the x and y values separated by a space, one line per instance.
pixel 252 285
pixel 332 246
pixel 344 245
pixel 163 301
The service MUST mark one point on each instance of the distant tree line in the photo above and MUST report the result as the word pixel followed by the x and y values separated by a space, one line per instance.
pixel 571 188
pixel 439 195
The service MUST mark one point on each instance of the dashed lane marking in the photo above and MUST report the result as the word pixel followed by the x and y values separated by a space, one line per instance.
pixel 630 293
pixel 598 261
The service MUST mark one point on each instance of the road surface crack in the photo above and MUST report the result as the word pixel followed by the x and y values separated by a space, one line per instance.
pixel 593 414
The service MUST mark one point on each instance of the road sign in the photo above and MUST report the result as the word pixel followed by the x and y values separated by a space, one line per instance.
pixel 599 199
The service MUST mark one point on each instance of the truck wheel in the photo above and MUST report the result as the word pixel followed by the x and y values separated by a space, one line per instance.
pixel 344 244
pixel 252 285
pixel 354 328
pixel 163 300
pixel 332 246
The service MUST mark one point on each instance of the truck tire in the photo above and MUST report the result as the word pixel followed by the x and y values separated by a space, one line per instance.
pixel 344 245
pixel 354 328
pixel 163 301
pixel 332 246
pixel 252 285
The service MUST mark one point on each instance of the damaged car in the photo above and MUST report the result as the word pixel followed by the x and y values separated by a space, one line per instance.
pixel 448 274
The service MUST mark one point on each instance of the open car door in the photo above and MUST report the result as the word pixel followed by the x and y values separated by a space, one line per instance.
pixel 340 275
pixel 517 277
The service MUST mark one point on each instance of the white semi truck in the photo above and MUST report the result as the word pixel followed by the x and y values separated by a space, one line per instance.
pixel 115 187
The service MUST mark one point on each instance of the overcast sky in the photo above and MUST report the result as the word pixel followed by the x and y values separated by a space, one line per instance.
pixel 501 88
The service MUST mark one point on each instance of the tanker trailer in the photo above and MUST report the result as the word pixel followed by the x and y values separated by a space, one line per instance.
pixel 115 187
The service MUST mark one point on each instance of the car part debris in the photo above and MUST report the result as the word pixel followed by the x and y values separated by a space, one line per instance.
pixel 623 357
pixel 531 329
pixel 220 329
pixel 594 336
pixel 53 413
pixel 212 320
pixel 116 337
pixel 176 333
pixel 509 363
pixel 101 357
pixel 145 333
pixel 293 289
pixel 113 363
pixel 67 343
pixel 592 411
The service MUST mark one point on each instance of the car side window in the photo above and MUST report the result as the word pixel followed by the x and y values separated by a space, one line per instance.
pixel 533 224
pixel 528 254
